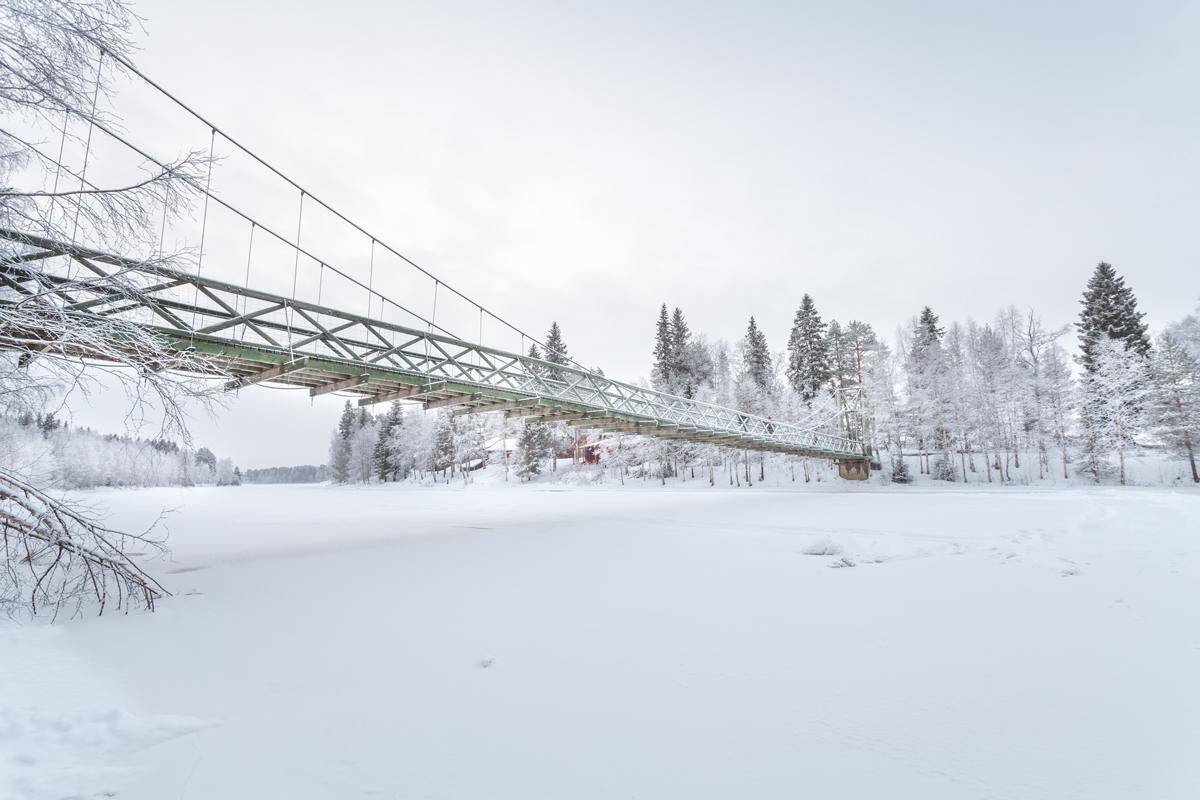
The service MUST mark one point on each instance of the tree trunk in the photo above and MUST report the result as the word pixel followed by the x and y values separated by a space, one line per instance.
pixel 1187 442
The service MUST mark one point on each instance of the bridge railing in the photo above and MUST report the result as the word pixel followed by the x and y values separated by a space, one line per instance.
pixel 187 305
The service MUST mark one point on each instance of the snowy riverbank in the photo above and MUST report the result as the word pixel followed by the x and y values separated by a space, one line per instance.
pixel 544 643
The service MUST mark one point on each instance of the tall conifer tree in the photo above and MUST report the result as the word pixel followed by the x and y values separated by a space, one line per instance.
pixel 757 356
pixel 683 380
pixel 660 375
pixel 1110 311
pixel 808 351
pixel 556 348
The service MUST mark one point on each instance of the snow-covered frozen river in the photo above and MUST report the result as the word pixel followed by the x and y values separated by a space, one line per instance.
pixel 524 643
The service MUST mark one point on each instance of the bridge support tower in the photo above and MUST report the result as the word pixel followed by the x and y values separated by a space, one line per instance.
pixel 857 469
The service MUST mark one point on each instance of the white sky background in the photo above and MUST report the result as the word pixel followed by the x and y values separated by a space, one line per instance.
pixel 587 162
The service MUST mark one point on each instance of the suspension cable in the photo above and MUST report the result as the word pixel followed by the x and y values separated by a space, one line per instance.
pixel 246 284
pixel 295 271
pixel 265 228
pixel 432 320
pixel 127 64
pixel 212 144
pixel 371 280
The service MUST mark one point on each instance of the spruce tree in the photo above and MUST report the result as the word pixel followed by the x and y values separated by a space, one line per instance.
pixel 684 382
pixel 346 423
pixel 555 433
pixel 660 373
pixel 926 332
pixel 386 466
pixel 556 348
pixel 533 445
pixel 808 351
pixel 1110 311
pixel 535 369
pixel 757 356
pixel 340 445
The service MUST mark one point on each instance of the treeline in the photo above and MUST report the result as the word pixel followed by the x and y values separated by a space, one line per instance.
pixel 988 402
pixel 306 473
pixel 407 443
pixel 966 401
pixel 43 447
pixel 403 443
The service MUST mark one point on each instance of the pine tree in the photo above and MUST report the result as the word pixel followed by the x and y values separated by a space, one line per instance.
pixel 660 373
pixel 808 352
pixel 1110 311
pixel 861 341
pixel 841 356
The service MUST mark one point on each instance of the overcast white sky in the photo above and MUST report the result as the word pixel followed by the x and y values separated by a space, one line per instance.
pixel 587 162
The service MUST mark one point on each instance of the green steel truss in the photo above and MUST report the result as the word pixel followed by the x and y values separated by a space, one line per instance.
pixel 255 336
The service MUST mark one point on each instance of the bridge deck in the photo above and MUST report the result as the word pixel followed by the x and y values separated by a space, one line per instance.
pixel 254 336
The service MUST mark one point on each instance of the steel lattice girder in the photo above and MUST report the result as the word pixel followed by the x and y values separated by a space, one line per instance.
pixel 262 336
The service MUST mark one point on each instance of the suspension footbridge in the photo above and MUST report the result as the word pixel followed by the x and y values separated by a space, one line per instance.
pixel 253 335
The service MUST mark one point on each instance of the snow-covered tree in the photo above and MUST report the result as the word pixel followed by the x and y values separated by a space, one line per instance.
pixel 556 348
pixel 225 472
pixel 533 448
pixel 361 467
pixel 664 355
pixel 808 368
pixel 756 358
pixel 444 457
pixel 1110 312
pixel 927 393
pixel 1114 393
pixel 387 456
pixel 469 433
pixel 1176 402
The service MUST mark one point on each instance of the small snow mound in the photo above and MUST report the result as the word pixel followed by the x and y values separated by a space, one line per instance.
pixel 844 561
pixel 823 547
pixel 487 661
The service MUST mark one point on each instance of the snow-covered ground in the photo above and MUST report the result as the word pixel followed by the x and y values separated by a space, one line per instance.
pixel 844 642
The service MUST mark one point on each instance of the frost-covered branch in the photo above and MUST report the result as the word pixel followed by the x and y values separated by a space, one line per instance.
pixel 58 556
